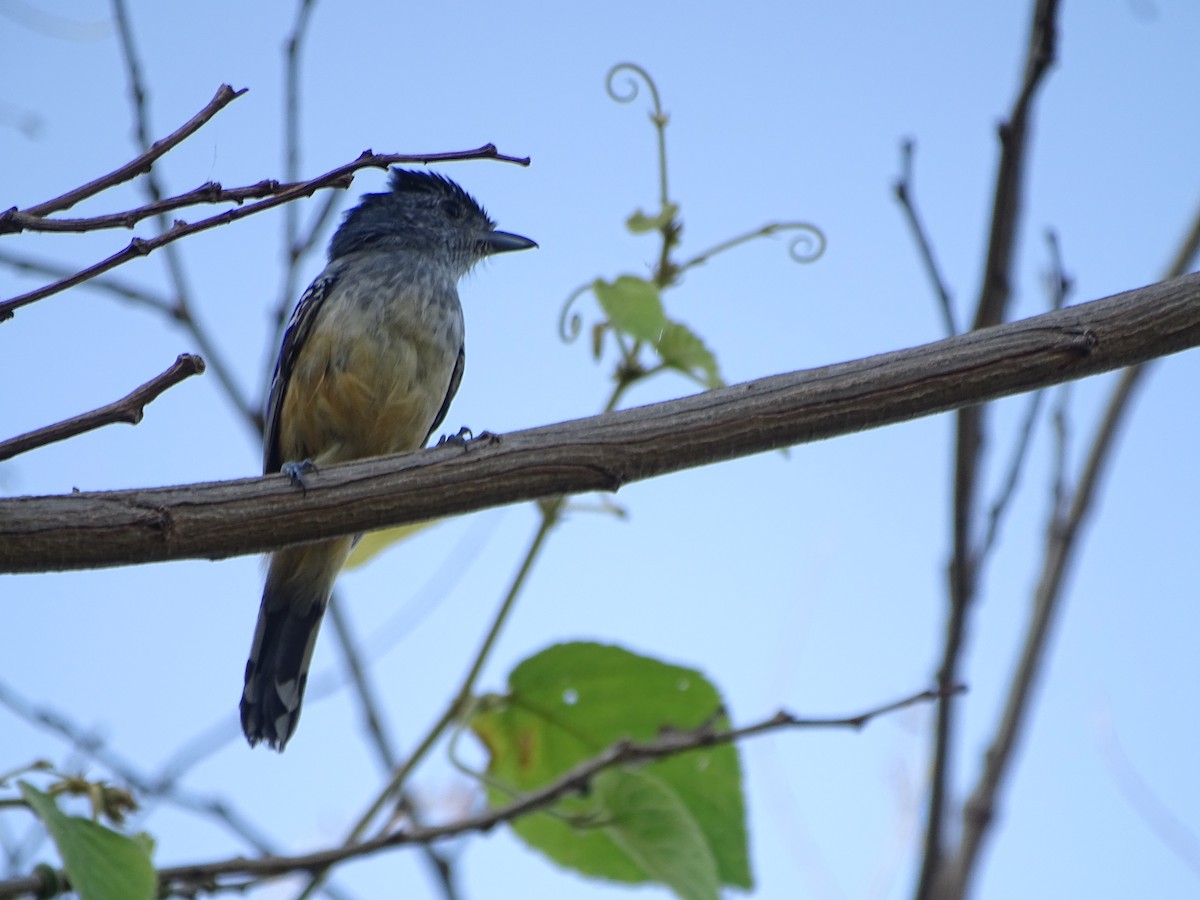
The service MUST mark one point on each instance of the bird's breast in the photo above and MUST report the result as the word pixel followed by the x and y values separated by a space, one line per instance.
pixel 371 376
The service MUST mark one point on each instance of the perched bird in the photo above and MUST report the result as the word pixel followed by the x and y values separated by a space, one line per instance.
pixel 370 361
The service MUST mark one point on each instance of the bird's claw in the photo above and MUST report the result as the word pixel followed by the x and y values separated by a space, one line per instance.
pixel 466 436
pixel 295 472
pixel 458 440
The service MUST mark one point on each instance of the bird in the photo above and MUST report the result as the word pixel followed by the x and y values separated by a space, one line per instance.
pixel 370 360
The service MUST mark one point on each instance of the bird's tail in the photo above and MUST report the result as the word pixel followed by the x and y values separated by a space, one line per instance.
pixel 299 582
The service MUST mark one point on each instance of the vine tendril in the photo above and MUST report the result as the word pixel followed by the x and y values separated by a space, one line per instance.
pixel 569 325
pixel 658 118
pixel 806 247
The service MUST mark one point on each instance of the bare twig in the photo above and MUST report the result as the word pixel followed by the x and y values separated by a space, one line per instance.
pixel 378 737
pixel 603 452
pixel 1012 478
pixel 1059 288
pixel 339 177
pixel 137 166
pixel 622 753
pixel 92 747
pixel 128 409
pixel 117 286
pixel 209 193
pixel 1058 283
pixel 372 717
pixel 1061 547
pixel 153 188
pixel 969 433
pixel 903 189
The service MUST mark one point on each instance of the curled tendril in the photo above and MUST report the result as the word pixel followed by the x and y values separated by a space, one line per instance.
pixel 569 325
pixel 610 82
pixel 805 248
pixel 811 238
pixel 658 118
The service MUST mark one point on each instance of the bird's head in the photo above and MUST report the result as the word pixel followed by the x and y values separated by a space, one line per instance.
pixel 427 213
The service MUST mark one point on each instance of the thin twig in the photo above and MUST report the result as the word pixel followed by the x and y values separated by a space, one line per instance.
pixel 669 744
pixel 969 432
pixel 209 193
pixel 174 262
pixel 904 194
pixel 1058 282
pixel 357 676
pixel 1012 478
pixel 128 409
pixel 137 166
pixel 124 290
pixel 338 177
pixel 1061 547
pixel 92 747
pixel 378 737
pixel 1058 286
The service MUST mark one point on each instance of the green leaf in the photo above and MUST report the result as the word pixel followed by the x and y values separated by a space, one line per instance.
pixel 680 348
pixel 640 223
pixel 102 864
pixel 375 542
pixel 570 702
pixel 632 306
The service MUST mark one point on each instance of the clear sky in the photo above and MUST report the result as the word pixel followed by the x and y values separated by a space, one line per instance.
pixel 812 582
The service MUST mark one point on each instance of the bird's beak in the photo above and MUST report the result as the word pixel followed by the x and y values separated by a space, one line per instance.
pixel 503 242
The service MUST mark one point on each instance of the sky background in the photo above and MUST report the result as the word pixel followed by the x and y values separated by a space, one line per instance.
pixel 811 581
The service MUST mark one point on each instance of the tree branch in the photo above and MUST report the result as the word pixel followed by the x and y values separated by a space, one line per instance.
pixel 1067 518
pixel 135 167
pixel 603 452
pixel 206 875
pixel 903 191
pixel 339 177
pixel 969 431
pixel 128 409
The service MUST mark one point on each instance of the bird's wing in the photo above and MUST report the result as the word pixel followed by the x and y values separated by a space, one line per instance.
pixel 298 328
pixel 455 380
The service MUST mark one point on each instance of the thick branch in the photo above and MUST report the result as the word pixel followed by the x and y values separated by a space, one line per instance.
pixel 604 452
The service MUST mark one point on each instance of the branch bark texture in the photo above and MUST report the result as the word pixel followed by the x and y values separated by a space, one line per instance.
pixel 87 530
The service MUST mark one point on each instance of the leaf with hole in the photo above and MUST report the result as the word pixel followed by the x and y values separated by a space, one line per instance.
pixel 656 822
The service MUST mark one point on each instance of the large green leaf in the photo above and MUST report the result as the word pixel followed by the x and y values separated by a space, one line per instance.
pixel 656 823
pixel 633 306
pixel 102 864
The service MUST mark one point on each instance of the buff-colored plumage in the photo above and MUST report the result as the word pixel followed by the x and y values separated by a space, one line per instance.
pixel 371 358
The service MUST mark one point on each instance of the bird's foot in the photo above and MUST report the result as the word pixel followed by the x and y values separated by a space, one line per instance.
pixel 466 437
pixel 295 472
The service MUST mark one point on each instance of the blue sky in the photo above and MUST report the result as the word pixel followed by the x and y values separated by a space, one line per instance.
pixel 812 581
